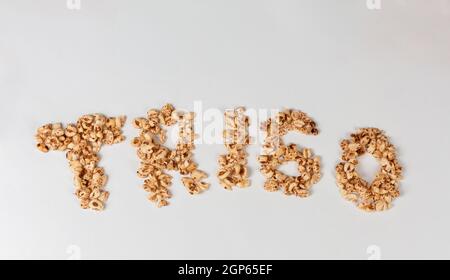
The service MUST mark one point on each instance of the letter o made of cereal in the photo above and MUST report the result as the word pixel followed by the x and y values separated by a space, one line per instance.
pixel 379 194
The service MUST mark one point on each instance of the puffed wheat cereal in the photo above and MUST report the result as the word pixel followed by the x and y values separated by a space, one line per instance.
pixel 82 142
pixel 155 158
pixel 378 195
pixel 233 170
pixel 275 153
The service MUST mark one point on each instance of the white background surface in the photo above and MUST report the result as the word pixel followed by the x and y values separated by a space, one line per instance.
pixel 345 65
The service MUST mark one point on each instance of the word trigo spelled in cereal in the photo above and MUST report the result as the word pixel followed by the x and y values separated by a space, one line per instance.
pixel 83 140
